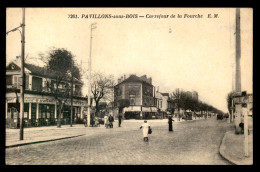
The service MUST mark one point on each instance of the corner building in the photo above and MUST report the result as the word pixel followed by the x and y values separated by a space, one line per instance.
pixel 141 94
pixel 40 105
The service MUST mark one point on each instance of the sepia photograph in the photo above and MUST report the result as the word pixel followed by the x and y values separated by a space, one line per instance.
pixel 129 86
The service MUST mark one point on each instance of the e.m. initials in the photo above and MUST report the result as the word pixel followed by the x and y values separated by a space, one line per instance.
pixel 213 16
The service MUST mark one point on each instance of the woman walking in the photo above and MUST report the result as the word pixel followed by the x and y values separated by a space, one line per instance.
pixel 146 128
pixel 106 120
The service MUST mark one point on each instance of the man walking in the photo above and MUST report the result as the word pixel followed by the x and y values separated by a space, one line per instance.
pixel 170 123
pixel 111 120
pixel 119 120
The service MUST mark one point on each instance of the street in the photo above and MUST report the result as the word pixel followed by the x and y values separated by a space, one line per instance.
pixel 192 143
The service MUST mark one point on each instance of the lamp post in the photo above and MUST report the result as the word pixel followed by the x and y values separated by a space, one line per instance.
pixel 22 71
pixel 92 26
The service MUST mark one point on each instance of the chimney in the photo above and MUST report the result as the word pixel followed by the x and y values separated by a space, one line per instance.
pixel 119 80
pixel 124 77
pixel 158 89
pixel 149 80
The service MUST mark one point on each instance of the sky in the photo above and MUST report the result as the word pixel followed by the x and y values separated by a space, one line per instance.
pixel 194 54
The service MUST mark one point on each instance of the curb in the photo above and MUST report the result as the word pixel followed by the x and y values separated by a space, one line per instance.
pixel 29 143
pixel 227 157
pixel 222 152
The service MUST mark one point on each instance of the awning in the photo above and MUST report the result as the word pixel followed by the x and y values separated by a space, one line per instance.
pixel 153 109
pixel 146 109
pixel 132 109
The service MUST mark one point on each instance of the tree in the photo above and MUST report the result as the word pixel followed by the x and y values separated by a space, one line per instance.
pixel 101 88
pixel 60 62
pixel 122 103
pixel 229 102
pixel 178 97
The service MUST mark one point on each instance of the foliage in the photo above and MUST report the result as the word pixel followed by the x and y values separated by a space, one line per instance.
pixel 184 101
pixel 60 62
pixel 122 103
pixel 229 101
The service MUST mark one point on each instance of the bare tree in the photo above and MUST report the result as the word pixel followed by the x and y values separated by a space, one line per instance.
pixel 102 88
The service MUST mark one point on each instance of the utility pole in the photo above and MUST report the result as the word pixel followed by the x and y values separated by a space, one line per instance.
pixel 238 51
pixel 22 78
pixel 71 93
pixel 92 26
pixel 238 71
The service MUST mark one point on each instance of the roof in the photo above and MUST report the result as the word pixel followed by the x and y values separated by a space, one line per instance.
pixel 134 78
pixel 40 71
pixel 165 94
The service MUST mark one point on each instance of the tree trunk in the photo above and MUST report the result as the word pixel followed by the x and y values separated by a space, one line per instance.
pixel 97 108
pixel 59 119
pixel 178 114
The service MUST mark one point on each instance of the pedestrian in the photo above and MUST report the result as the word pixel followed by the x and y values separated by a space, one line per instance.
pixel 146 128
pixel 106 120
pixel 92 121
pixel 119 120
pixel 170 123
pixel 111 120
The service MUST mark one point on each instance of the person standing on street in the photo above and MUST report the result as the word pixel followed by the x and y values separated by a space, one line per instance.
pixel 111 120
pixel 146 128
pixel 170 123
pixel 106 121
pixel 119 120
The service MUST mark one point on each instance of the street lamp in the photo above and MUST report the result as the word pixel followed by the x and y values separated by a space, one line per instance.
pixel 22 72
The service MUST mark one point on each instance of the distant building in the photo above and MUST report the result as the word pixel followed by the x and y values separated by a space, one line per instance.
pixel 141 94
pixel 163 103
pixel 189 94
pixel 195 95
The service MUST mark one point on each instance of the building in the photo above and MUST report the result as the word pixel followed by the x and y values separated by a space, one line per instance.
pixel 141 94
pixel 40 105
pixel 195 95
pixel 164 104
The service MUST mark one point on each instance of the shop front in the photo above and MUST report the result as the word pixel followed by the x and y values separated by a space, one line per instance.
pixel 138 112
pixel 41 111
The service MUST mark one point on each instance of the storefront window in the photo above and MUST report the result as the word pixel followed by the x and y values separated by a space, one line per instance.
pixel 46 111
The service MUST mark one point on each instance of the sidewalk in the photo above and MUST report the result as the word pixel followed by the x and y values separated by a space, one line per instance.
pixel 42 134
pixel 232 147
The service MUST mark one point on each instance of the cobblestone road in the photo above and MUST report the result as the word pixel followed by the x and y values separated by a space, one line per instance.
pixel 191 143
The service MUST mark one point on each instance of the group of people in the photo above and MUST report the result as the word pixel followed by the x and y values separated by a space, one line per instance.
pixel 108 121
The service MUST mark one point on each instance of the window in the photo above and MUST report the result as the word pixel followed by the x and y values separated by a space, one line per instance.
pixel 17 81
pixel 26 82
pixel 8 79
pixel 132 101
pixel 37 83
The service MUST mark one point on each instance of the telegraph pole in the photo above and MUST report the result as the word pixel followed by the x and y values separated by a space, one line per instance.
pixel 238 51
pixel 71 93
pixel 22 78
pixel 89 71
pixel 238 71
